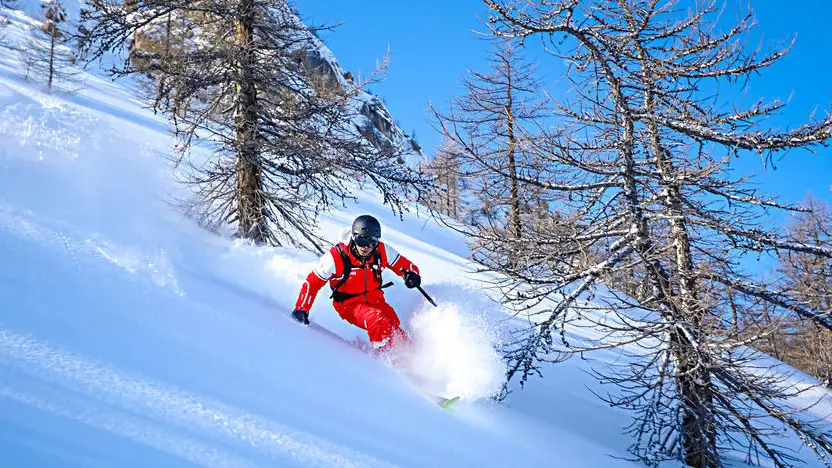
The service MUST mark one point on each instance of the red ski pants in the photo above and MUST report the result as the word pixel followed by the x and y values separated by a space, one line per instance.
pixel 380 321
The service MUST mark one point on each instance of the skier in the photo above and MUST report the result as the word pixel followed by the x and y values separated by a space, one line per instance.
pixel 353 271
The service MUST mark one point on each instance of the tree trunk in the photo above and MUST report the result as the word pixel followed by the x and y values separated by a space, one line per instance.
pixel 52 32
pixel 160 89
pixel 694 386
pixel 512 163
pixel 735 323
pixel 693 377
pixel 680 347
pixel 250 202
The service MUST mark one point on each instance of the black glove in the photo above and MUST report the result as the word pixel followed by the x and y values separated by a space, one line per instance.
pixel 301 316
pixel 412 279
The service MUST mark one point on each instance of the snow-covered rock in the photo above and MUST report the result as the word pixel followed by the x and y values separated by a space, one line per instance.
pixel 377 124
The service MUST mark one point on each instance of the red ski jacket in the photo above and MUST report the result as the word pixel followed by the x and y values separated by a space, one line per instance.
pixel 364 280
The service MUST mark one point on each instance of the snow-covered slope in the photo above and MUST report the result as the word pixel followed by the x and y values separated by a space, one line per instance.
pixel 129 337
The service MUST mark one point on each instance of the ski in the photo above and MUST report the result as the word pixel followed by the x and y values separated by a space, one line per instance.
pixel 446 403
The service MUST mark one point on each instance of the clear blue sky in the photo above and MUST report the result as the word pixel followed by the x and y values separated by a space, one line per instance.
pixel 432 42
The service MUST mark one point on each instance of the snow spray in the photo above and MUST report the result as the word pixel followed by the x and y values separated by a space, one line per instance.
pixel 455 353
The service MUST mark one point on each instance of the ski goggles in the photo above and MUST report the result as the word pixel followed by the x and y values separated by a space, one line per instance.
pixel 365 241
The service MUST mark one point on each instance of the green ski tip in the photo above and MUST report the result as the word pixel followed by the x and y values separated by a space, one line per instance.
pixel 446 403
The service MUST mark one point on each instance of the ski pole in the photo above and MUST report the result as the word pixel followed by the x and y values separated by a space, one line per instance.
pixel 423 292
pixel 426 296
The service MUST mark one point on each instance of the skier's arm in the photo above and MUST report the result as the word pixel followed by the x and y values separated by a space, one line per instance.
pixel 398 262
pixel 323 271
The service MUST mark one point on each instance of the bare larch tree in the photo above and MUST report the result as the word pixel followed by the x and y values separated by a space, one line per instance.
pixel 492 128
pixel 283 144
pixel 444 170
pixel 47 55
pixel 485 125
pixel 644 152
pixel 809 278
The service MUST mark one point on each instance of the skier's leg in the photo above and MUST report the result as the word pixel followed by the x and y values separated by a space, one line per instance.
pixel 381 323
pixel 370 318
pixel 398 335
pixel 347 312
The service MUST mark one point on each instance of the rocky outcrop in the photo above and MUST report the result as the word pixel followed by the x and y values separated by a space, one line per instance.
pixel 371 119
pixel 376 124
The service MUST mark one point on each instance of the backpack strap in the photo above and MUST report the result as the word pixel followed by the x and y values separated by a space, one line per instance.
pixel 346 266
pixel 376 265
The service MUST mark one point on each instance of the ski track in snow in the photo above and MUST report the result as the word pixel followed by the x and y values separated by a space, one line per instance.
pixel 156 266
pixel 165 404
pixel 122 424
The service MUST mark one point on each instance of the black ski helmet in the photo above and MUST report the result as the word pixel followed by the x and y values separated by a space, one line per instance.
pixel 366 226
